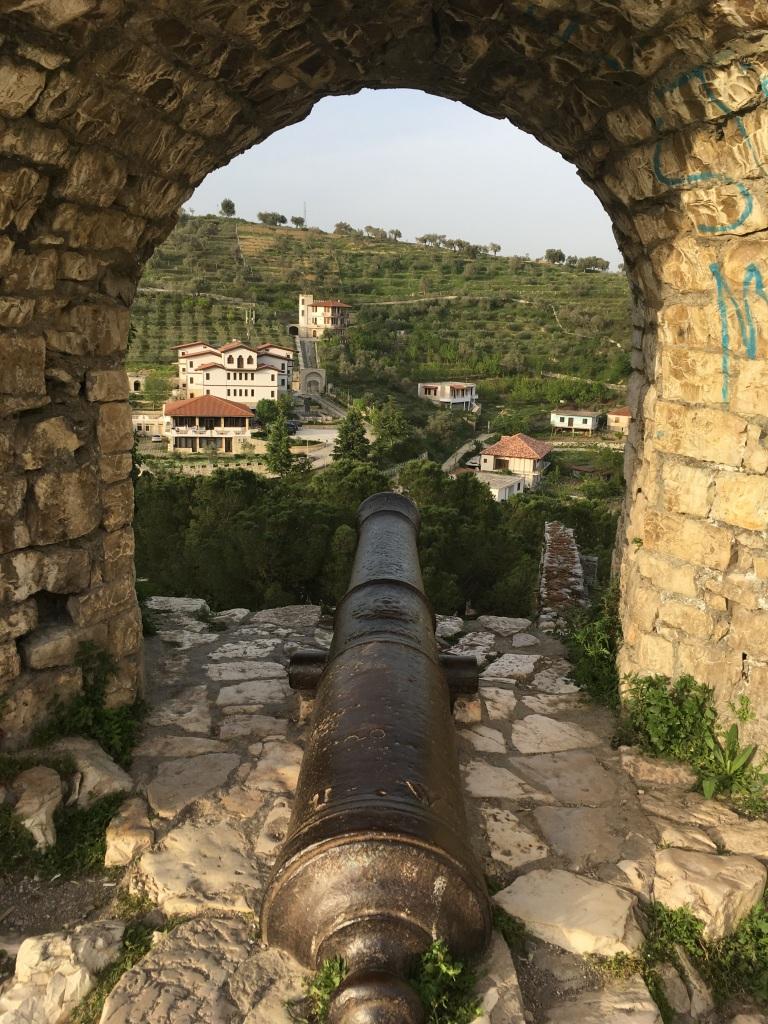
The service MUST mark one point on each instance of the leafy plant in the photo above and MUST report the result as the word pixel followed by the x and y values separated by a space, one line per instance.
pixel 593 637
pixel 671 720
pixel 446 987
pixel 727 763
pixel 115 729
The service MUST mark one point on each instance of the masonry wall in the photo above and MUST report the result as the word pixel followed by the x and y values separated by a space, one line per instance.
pixel 111 111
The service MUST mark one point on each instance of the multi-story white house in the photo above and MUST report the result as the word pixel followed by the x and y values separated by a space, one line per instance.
pixel 619 419
pixel 208 425
pixel 319 315
pixel 450 394
pixel 582 421
pixel 235 371
pixel 519 454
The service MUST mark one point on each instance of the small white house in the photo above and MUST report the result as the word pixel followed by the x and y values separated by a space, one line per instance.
pixel 619 419
pixel 582 421
pixel 450 394
pixel 502 485
pixel 524 456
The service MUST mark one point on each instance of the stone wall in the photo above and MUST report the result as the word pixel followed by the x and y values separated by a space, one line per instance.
pixel 111 111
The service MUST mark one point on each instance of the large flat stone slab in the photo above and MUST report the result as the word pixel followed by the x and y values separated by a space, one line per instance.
pixel 504 625
pixel 248 650
pixel 571 776
pixel 719 890
pixel 183 606
pixel 687 808
pixel 236 671
pixel 99 774
pixel 485 739
pixel 499 703
pixel 165 746
pixel 181 781
pixel 578 914
pixel 620 1002
pixel 511 666
pixel 497 988
pixel 185 977
pixel 129 833
pixel 277 767
pixel 201 865
pixel 254 693
pixel 491 783
pixel 189 712
pixel 292 616
pixel 511 844
pixel 653 771
pixel 750 837
pixel 537 734
pixel 582 835
pixel 254 727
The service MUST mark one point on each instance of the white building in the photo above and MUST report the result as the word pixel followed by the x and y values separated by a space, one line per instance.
pixel 519 454
pixel 319 315
pixel 207 425
pixel 619 419
pixel 502 486
pixel 235 371
pixel 583 421
pixel 450 394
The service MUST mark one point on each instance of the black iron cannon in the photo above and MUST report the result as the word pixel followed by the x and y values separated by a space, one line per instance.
pixel 376 864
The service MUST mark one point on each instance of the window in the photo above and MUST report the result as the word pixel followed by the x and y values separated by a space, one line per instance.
pixel 584 419
pixel 191 364
pixel 250 360
pixel 207 376
pixel 227 392
pixel 562 419
pixel 272 394
pixel 230 360
pixel 207 391
pixel 273 376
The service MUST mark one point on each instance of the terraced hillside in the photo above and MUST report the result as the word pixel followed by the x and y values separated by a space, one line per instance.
pixel 418 308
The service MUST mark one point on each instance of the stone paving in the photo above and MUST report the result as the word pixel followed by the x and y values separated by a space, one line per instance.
pixel 573 834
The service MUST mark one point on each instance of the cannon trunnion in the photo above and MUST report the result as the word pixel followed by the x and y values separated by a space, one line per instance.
pixel 376 863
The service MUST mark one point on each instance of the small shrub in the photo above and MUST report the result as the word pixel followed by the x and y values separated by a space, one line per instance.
pixel 115 729
pixel 445 987
pixel 593 638
pixel 671 720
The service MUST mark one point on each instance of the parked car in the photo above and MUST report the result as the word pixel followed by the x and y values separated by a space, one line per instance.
pixel 292 426
pixel 474 462
pixel 157 438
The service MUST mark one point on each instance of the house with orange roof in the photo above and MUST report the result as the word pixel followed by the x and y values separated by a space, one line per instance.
pixel 619 419
pixel 520 454
pixel 235 371
pixel 208 425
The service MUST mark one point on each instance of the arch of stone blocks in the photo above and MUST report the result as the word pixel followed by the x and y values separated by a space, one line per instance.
pixel 112 111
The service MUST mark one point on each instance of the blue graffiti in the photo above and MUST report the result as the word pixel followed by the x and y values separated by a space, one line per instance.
pixel 753 279
pixel 704 177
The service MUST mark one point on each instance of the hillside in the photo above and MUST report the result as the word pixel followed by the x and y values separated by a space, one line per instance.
pixel 418 309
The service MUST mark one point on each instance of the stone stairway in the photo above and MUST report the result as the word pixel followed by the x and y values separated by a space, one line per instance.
pixel 574 835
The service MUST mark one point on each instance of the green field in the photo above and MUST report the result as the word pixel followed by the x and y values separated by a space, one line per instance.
pixel 420 311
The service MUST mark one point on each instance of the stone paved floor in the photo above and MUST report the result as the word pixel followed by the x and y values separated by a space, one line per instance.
pixel 573 834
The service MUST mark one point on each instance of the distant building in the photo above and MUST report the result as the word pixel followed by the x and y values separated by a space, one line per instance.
pixel 136 383
pixel 149 424
pixel 208 425
pixel 501 485
pixel 519 454
pixel 582 421
pixel 319 315
pixel 619 419
pixel 235 371
pixel 450 395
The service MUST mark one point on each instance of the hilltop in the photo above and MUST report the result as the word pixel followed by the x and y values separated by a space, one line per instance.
pixel 419 309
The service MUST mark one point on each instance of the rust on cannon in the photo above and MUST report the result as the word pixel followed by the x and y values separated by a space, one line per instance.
pixel 376 864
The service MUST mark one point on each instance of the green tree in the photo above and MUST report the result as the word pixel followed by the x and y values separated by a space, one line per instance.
pixel 342 228
pixel 395 234
pixel 272 219
pixel 227 208
pixel 338 567
pixel 278 457
pixel 554 256
pixel 351 442
pixel 298 222
pixel 394 434
pixel 157 388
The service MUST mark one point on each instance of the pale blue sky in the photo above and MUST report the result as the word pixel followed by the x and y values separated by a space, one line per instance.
pixel 403 159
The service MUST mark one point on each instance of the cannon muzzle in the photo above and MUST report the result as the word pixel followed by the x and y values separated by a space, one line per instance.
pixel 376 864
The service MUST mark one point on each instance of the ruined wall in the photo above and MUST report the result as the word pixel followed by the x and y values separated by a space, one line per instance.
pixel 111 111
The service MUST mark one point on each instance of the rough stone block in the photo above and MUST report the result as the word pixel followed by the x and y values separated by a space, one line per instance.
pixel 119 548
pixel 742 500
pixel 50 646
pixel 65 505
pixel 100 232
pixel 103 326
pixel 114 468
pixel 115 428
pixel 94 177
pixel 709 435
pixel 714 665
pixel 48 441
pixel 749 631
pixel 22 372
pixel 655 656
pixel 690 375
pixel 21 193
pixel 13 530
pixel 691 539
pixel 106 385
pixel 125 632
pixel 688 618
pixel 117 502
pixel 10 663
pixel 20 85
pixel 101 603
pixel 30 698
pixel 666 574
pixel 17 619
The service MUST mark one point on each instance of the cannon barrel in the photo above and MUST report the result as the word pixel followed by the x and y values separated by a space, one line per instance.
pixel 376 863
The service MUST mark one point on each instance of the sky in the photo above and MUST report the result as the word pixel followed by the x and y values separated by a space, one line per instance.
pixel 404 159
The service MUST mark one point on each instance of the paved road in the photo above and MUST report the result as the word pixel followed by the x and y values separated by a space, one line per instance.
pixel 453 460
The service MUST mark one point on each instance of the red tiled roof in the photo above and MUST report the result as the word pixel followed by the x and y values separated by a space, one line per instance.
pixel 330 302
pixel 518 446
pixel 206 405
pixel 207 366
pixel 236 344
pixel 277 348
pixel 623 410
pixel 195 344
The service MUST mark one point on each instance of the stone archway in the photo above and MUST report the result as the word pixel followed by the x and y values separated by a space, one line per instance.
pixel 114 110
